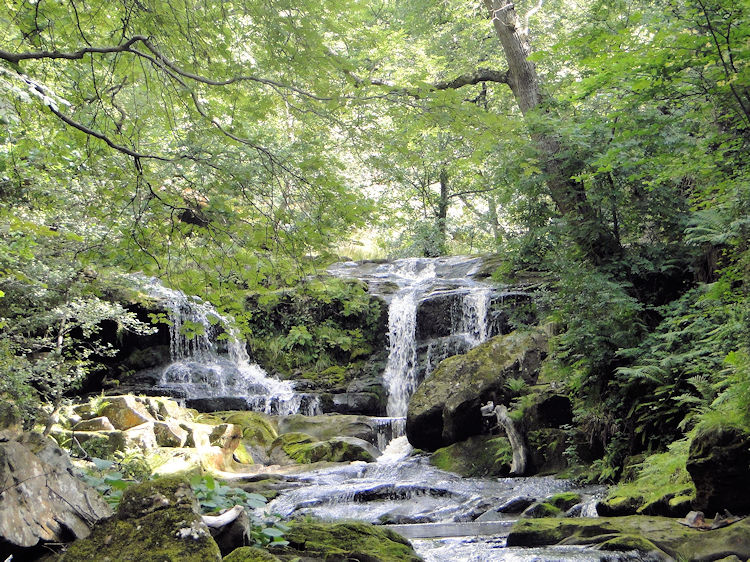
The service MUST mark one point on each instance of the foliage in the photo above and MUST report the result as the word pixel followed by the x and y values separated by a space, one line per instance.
pixel 214 496
pixel 318 325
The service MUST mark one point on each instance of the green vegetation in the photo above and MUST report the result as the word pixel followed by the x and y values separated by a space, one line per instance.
pixel 323 330
pixel 234 148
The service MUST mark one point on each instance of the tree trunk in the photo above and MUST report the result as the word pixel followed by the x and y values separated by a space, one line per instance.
pixel 519 463
pixel 569 196
pixel 442 214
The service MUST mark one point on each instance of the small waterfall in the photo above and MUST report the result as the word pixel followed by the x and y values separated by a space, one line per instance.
pixel 199 369
pixel 466 306
pixel 400 375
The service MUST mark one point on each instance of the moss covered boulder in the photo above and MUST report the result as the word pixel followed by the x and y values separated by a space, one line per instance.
pixel 481 455
pixel 660 535
pixel 156 521
pixel 445 408
pixel 345 541
pixel 719 464
pixel 329 426
pixel 305 449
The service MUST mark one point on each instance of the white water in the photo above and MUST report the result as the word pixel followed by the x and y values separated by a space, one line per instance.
pixel 419 279
pixel 199 370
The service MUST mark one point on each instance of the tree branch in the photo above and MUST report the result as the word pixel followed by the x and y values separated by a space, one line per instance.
pixel 70 55
pixel 478 76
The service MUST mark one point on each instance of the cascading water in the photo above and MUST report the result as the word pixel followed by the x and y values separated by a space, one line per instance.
pixel 199 370
pixel 447 281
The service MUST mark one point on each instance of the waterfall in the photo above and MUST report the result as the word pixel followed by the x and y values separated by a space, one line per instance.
pixel 400 375
pixel 468 313
pixel 199 369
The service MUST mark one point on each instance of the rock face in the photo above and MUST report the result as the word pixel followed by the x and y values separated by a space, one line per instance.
pixel 41 500
pixel 156 521
pixel 719 464
pixel 445 408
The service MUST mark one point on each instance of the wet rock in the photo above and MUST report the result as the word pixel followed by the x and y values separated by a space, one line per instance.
pixel 719 464
pixel 446 407
pixel 564 501
pixel 305 449
pixel 217 404
pixel 329 426
pixel 662 536
pixel 345 541
pixel 541 509
pixel 480 455
pixel 94 424
pixel 156 521
pixel 41 501
pixel 516 505
pixel 366 403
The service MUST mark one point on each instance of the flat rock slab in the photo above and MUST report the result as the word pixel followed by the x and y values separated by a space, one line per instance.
pixel 442 530
pixel 662 535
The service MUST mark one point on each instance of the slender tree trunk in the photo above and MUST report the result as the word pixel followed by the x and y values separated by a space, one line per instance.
pixel 442 214
pixel 569 196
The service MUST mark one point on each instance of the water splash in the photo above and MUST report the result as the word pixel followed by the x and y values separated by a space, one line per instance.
pixel 199 369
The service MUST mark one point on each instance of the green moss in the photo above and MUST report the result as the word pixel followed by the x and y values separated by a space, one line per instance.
pixel 155 522
pixel 257 428
pixel 652 534
pixel 629 542
pixel 346 541
pixel 250 554
pixel 481 455
pixel 543 509
pixel 564 501
pixel 303 448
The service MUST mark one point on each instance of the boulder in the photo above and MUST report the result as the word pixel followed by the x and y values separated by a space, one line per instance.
pixel 169 434
pixel 305 449
pixel 445 408
pixel 156 521
pixel 719 464
pixel 314 541
pixel 141 436
pixel 659 536
pixel 329 426
pixel 125 412
pixel 367 403
pixel 480 455
pixel 41 500
pixel 94 424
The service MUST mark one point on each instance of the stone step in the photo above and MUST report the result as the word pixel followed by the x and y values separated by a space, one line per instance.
pixel 443 530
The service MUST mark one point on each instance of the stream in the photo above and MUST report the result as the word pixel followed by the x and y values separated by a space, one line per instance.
pixel 437 308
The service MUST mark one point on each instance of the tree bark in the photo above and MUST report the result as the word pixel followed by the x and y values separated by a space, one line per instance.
pixel 569 196
pixel 517 443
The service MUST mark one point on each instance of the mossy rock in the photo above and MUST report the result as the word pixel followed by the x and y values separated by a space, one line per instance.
pixel 663 535
pixel 257 428
pixel 445 408
pixel 250 554
pixel 541 509
pixel 302 448
pixel 625 543
pixel 564 501
pixel 618 506
pixel 481 455
pixel 156 521
pixel 328 426
pixel 345 541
